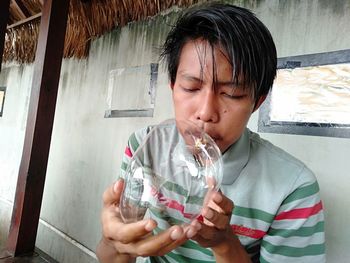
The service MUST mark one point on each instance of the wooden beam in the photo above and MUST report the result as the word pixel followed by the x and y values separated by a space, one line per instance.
pixel 24 21
pixel 32 171
pixel 4 15
pixel 15 9
pixel 23 8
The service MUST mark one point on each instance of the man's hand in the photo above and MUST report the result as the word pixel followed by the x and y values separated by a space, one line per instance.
pixel 127 241
pixel 216 231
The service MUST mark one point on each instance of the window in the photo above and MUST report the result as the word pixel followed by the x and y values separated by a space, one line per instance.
pixel 310 96
pixel 131 91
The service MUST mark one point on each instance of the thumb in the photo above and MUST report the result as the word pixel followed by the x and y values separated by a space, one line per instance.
pixel 113 193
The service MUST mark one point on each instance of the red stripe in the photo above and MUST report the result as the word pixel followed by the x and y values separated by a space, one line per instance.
pixel 239 230
pixel 248 232
pixel 128 152
pixel 171 204
pixel 300 212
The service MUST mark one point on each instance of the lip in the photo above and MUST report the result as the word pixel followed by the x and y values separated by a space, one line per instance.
pixel 208 129
pixel 215 137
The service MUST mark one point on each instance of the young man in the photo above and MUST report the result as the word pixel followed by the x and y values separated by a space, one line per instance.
pixel 222 63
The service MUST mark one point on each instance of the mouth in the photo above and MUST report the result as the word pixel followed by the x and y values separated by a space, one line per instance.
pixel 208 129
pixel 214 138
pixel 213 135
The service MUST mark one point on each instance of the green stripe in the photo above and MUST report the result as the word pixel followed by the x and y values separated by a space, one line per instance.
pixel 157 213
pixel 188 244
pixel 310 250
pixel 159 259
pixel 302 193
pixel 301 232
pixel 157 230
pixel 196 200
pixel 262 260
pixel 183 259
pixel 253 214
pixel 124 166
pixel 133 142
pixel 192 245
pixel 175 188
pixel 161 215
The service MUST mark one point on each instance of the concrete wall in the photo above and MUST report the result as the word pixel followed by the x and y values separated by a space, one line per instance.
pixel 86 148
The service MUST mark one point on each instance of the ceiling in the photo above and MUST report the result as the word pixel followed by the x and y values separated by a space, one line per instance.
pixel 22 10
pixel 87 20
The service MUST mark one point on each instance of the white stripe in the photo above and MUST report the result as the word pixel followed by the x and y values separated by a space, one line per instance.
pixel 250 222
pixel 279 258
pixel 297 223
pixel 306 202
pixel 298 242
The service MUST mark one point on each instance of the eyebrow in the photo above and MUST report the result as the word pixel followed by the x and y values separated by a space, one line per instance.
pixel 190 77
pixel 219 83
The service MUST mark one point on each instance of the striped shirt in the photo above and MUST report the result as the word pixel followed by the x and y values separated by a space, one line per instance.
pixel 278 214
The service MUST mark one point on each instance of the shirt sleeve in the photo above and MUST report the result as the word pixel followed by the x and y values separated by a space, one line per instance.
pixel 297 231
pixel 135 140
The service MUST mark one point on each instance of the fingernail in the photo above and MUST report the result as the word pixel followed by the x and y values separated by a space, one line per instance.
pixel 175 234
pixel 218 198
pixel 115 187
pixel 149 226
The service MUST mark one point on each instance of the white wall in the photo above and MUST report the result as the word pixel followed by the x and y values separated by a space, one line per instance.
pixel 12 128
pixel 304 27
pixel 86 148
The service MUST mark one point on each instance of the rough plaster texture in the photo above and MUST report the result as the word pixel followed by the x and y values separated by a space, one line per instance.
pixel 86 148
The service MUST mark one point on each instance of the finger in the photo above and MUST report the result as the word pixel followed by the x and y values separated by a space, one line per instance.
pixel 223 202
pixel 208 196
pixel 189 231
pixel 127 233
pixel 157 244
pixel 211 182
pixel 219 220
pixel 112 194
pixel 206 232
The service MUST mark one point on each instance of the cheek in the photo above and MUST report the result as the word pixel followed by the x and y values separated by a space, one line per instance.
pixel 238 114
pixel 235 121
pixel 183 104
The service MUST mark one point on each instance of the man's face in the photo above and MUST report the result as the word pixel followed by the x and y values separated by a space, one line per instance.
pixel 222 112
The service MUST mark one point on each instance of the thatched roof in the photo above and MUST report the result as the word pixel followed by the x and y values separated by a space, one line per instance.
pixel 87 20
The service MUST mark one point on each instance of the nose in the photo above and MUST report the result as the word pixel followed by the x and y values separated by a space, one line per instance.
pixel 208 108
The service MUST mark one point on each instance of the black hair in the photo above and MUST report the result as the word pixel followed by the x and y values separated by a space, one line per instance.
pixel 245 40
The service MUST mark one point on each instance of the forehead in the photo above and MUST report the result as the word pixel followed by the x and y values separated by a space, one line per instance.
pixel 198 57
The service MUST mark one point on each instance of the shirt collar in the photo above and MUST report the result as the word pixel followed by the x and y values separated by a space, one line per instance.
pixel 235 158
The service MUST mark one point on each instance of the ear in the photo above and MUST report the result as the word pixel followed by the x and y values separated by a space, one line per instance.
pixel 259 102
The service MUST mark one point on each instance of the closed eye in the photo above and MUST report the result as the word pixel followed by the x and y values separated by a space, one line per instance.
pixel 233 96
pixel 190 90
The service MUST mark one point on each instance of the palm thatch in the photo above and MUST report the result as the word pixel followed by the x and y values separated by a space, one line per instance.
pixel 87 20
